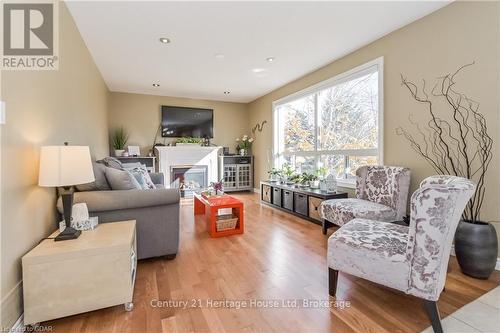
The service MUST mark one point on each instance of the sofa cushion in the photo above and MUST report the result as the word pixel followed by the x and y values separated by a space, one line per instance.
pixel 100 183
pixel 121 180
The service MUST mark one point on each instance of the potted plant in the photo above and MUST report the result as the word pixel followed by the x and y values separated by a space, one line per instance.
pixel 217 187
pixel 119 140
pixel 244 144
pixel 313 180
pixel 458 143
pixel 287 172
pixel 274 174
pixel 295 178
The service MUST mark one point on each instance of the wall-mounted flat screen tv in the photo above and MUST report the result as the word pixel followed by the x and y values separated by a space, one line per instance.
pixel 177 121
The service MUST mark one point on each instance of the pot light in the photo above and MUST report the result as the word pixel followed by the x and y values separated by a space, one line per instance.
pixel 270 59
pixel 227 92
pixel 259 70
pixel 219 56
pixel 164 40
pixel 156 85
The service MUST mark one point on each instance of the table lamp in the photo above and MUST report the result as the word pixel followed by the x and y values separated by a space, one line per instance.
pixel 65 166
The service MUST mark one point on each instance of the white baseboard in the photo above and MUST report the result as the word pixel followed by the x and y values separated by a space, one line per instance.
pixel 18 325
pixel 497 266
pixel 256 190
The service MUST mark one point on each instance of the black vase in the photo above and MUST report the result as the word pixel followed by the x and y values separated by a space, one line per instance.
pixel 476 247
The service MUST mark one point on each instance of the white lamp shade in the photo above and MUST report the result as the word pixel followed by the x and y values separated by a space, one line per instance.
pixel 65 166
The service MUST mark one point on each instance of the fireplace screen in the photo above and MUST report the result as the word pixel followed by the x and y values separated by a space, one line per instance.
pixel 189 178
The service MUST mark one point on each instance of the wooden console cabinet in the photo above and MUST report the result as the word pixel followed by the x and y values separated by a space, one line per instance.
pixel 297 201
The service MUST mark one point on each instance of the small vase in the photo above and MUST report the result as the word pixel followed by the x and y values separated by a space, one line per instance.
pixel 243 152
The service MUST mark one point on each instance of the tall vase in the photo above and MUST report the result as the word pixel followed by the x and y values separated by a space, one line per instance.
pixel 476 247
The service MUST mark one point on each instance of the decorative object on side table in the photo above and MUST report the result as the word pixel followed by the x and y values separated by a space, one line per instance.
pixel 119 139
pixel 457 142
pixel 217 187
pixel 330 184
pixel 65 166
pixel 244 145
pixel 80 219
pixel 134 151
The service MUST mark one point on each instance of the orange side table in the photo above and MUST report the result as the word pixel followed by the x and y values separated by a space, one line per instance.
pixel 210 206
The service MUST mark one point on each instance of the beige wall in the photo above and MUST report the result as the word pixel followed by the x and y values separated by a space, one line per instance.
pixel 434 45
pixel 43 108
pixel 140 115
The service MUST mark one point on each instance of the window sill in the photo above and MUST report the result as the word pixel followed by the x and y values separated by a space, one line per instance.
pixel 345 183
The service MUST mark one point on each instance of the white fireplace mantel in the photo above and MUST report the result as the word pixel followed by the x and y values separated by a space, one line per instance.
pixel 175 156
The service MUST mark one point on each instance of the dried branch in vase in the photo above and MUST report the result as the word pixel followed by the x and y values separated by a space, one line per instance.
pixel 455 140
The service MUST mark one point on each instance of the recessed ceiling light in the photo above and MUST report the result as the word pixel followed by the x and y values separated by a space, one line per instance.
pixel 156 85
pixel 227 92
pixel 219 56
pixel 165 40
pixel 259 70
pixel 270 59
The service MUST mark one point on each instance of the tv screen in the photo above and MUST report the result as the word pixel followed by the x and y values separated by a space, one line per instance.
pixel 177 121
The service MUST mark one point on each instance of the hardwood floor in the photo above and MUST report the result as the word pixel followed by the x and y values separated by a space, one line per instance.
pixel 280 257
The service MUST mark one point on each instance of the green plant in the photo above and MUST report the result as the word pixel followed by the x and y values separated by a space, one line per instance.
pixel 188 139
pixel 119 138
pixel 322 172
pixel 274 172
pixel 287 170
pixel 295 178
pixel 307 177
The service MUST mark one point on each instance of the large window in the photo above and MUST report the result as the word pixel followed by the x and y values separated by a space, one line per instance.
pixel 335 124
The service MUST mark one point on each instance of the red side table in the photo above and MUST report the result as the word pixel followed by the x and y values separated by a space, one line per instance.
pixel 210 206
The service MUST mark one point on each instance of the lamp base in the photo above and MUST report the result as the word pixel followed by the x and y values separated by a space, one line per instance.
pixel 68 233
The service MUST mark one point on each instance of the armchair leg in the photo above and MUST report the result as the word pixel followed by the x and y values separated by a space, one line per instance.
pixel 333 276
pixel 433 313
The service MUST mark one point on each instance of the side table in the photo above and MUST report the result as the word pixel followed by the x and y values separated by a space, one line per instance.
pixel 94 271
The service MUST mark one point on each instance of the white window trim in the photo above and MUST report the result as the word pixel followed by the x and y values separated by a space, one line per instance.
pixel 348 75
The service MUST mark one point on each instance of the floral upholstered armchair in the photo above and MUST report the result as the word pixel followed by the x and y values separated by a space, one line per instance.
pixel 411 259
pixel 381 194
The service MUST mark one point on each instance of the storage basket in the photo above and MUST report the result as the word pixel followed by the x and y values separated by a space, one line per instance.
pixel 226 222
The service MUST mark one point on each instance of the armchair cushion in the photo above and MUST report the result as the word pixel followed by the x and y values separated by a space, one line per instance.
pixel 373 250
pixel 341 211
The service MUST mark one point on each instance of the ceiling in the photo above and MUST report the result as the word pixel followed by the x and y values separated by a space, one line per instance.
pixel 122 37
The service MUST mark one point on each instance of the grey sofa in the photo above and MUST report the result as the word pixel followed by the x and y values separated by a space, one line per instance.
pixel 156 213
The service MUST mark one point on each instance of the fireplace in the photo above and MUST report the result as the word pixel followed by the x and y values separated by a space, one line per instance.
pixel 189 178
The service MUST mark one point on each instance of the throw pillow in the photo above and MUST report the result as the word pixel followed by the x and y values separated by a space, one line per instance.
pixel 144 174
pixel 140 179
pixel 111 162
pixel 99 184
pixel 121 180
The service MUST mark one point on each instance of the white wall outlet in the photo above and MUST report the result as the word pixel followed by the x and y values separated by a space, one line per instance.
pixel 2 113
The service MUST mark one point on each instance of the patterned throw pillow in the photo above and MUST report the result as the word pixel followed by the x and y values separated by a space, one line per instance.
pixel 146 183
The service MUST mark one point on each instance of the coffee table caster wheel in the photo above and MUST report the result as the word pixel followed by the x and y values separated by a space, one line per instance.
pixel 129 306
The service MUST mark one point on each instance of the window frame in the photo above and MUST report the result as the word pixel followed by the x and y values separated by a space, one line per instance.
pixel 351 74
